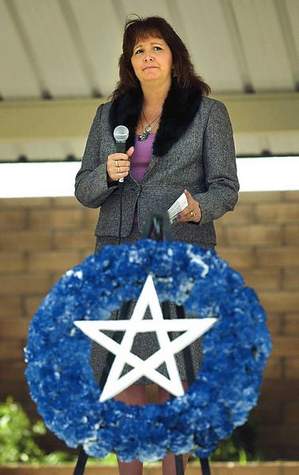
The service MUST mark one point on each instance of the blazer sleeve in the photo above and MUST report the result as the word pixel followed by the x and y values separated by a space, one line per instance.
pixel 219 165
pixel 91 186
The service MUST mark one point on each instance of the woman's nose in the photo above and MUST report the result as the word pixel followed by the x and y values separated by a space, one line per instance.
pixel 148 58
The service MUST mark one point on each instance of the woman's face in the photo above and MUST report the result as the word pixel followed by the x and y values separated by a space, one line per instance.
pixel 152 60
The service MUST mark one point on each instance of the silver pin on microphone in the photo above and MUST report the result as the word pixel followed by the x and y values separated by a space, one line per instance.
pixel 121 134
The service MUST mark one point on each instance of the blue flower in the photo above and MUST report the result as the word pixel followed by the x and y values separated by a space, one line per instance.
pixel 225 389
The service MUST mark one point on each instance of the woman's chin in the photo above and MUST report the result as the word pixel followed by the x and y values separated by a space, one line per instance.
pixel 154 78
pixel 151 75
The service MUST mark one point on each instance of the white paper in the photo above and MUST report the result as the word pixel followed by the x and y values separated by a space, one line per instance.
pixel 178 206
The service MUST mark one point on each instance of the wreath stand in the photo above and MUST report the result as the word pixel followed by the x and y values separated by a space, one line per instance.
pixel 157 229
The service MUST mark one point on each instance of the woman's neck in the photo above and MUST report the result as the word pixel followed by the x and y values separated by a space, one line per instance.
pixel 154 97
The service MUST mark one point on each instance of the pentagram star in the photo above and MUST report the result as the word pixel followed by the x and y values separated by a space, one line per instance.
pixel 193 328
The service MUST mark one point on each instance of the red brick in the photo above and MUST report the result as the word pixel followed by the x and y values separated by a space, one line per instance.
pixel 291 415
pixel 18 203
pixel 12 262
pixel 268 412
pixel 291 279
pixel 11 350
pixel 55 219
pixel 242 214
pixel 83 240
pixel 15 373
pixel 261 279
pixel 278 213
pixel 291 234
pixel 254 234
pixel 292 368
pixel 32 304
pixel 10 307
pixel 275 323
pixel 238 258
pixel 290 196
pixel 24 284
pixel 274 368
pixel 221 234
pixel 13 329
pixel 291 324
pixel 65 202
pixel 90 219
pixel 260 197
pixel 278 257
pixel 287 390
pixel 25 241
pixel 19 392
pixel 286 346
pixel 12 219
pixel 281 301
pixel 279 433
pixel 53 261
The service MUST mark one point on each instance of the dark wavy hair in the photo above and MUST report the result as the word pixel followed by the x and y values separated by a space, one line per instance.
pixel 183 70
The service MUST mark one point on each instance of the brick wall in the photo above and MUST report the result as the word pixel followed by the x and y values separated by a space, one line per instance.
pixel 40 238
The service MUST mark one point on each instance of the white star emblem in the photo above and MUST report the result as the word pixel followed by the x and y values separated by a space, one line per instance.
pixel 193 328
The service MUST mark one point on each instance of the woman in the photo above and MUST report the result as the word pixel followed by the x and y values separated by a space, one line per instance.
pixel 180 141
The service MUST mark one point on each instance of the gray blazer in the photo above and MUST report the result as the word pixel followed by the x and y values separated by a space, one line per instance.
pixel 201 161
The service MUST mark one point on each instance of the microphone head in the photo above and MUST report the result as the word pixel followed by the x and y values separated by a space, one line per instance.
pixel 121 133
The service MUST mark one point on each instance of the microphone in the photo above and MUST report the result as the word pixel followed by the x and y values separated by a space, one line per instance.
pixel 121 134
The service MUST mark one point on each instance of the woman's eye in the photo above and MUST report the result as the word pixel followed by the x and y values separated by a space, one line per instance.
pixel 141 50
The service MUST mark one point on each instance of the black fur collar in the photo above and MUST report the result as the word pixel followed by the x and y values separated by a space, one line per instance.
pixel 178 112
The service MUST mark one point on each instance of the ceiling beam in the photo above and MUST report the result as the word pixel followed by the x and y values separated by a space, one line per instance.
pixel 59 119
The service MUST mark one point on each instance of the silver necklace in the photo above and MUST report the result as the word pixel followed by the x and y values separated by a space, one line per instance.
pixel 148 128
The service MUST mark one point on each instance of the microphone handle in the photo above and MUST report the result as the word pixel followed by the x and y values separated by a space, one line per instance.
pixel 121 148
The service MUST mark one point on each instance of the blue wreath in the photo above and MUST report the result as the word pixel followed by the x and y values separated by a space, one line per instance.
pixel 226 387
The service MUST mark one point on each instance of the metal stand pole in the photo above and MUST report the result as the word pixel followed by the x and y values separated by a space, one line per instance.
pixel 205 466
pixel 81 462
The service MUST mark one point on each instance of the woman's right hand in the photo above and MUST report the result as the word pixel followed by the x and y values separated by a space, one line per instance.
pixel 118 164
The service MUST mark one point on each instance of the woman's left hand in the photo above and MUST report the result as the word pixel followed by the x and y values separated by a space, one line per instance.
pixel 192 212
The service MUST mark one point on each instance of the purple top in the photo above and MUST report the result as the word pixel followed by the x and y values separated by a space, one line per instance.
pixel 141 157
